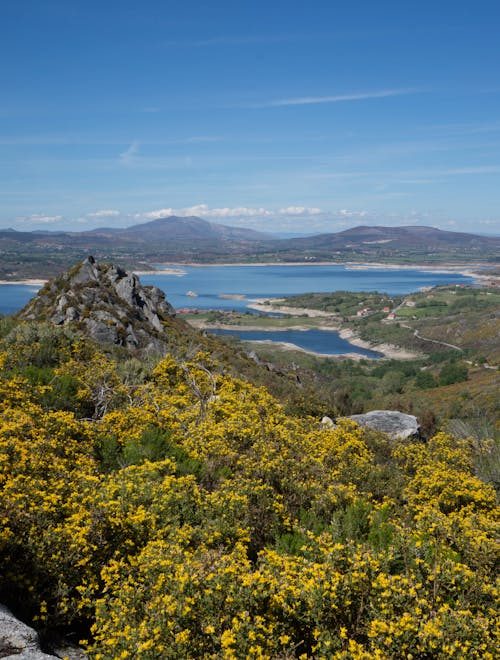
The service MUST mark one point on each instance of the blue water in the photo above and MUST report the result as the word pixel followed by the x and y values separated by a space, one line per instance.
pixel 15 296
pixel 210 282
pixel 327 342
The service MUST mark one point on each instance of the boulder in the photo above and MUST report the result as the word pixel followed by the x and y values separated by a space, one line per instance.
pixel 17 640
pixel 396 424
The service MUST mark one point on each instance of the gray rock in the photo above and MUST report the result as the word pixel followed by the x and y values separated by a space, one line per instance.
pixel 17 640
pixel 101 332
pixel 57 319
pixel 111 304
pixel 70 652
pixel 72 314
pixel 63 302
pixel 396 424
pixel 126 289
pixel 131 338
pixel 86 273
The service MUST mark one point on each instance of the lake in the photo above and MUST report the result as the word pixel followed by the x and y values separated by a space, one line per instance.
pixel 211 282
pixel 202 287
pixel 326 342
pixel 15 296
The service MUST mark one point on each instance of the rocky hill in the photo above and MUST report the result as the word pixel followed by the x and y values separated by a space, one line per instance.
pixel 109 304
pixel 105 303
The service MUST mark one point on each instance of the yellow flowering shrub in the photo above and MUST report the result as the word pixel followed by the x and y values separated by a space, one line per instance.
pixel 188 516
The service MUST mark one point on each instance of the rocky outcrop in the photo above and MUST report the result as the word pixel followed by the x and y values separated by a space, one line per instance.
pixel 20 642
pixel 17 640
pixel 396 424
pixel 107 303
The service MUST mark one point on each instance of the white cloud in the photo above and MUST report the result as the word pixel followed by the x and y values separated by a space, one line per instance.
pixel 153 215
pixel 338 98
pixel 287 218
pixel 204 211
pixel 300 210
pixel 238 212
pixel 40 218
pixel 104 213
pixel 346 213
pixel 256 213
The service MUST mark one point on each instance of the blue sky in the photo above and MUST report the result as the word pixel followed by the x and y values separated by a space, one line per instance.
pixel 285 116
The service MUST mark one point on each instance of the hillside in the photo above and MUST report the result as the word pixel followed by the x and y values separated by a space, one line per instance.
pixel 185 228
pixel 102 302
pixel 464 317
pixel 192 516
pixel 105 303
pixel 192 239
pixel 418 244
pixel 448 337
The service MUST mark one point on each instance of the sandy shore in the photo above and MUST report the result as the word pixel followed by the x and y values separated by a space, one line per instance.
pixel 287 346
pixel 388 350
pixel 259 304
pixel 178 272
pixel 31 282
pixel 468 270
pixel 204 325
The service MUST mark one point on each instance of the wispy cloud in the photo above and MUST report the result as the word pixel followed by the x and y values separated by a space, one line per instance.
pixel 242 40
pixel 39 218
pixel 104 213
pixel 86 140
pixel 128 156
pixel 337 98
pixel 300 210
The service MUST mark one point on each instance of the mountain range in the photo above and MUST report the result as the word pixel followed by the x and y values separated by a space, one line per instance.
pixel 193 239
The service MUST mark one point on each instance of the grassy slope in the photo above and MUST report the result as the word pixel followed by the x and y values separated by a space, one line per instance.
pixel 466 317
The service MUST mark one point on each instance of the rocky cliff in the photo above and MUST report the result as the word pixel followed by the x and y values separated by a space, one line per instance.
pixel 107 303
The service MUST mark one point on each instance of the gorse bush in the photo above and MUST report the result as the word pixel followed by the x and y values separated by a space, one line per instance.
pixel 182 513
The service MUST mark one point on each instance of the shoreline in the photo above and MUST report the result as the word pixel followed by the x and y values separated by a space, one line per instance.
pixel 288 346
pixel 388 351
pixel 467 270
pixel 29 282
pixel 259 305
pixel 176 269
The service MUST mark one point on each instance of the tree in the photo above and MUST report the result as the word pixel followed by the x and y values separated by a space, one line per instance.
pixel 453 372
